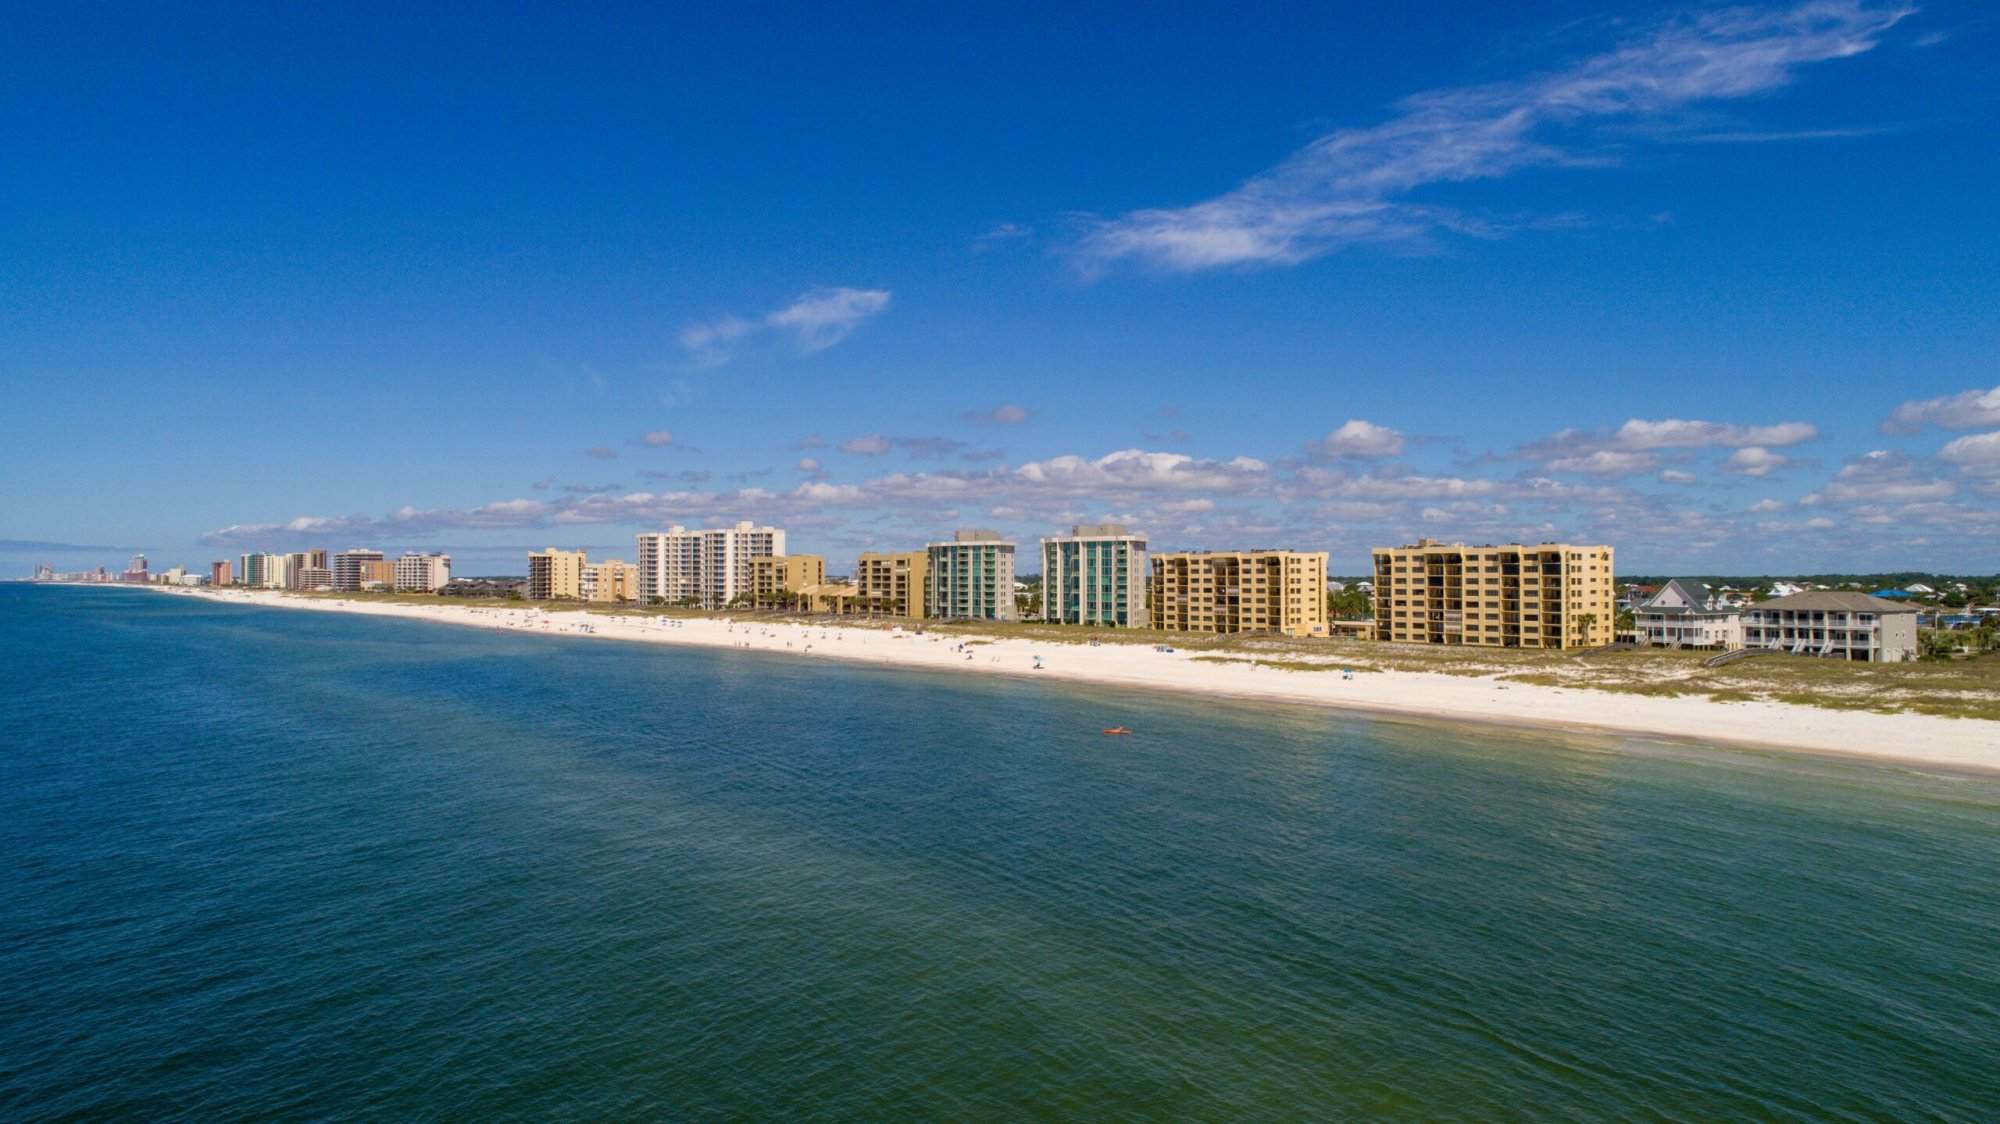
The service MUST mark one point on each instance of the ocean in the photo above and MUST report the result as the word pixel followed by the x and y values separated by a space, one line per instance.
pixel 262 864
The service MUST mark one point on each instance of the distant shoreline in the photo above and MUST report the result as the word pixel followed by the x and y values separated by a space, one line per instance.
pixel 1910 739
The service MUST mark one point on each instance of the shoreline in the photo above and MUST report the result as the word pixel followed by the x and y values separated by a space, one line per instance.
pixel 1905 739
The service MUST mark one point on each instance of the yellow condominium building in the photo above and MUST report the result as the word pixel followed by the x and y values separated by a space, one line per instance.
pixel 1239 591
pixel 1554 595
pixel 555 574
pixel 779 578
pixel 892 584
pixel 609 580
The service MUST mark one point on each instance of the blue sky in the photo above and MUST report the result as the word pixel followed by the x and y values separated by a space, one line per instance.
pixel 1716 285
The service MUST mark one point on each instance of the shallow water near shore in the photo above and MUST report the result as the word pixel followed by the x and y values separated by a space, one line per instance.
pixel 268 862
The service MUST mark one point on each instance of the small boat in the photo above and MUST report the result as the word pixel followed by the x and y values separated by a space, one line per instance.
pixel 1118 729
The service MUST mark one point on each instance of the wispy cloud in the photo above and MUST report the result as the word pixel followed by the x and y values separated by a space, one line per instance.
pixel 658 438
pixel 1778 136
pixel 823 317
pixel 1351 186
pixel 712 343
pixel 1002 234
pixel 816 320
pixel 873 445
pixel 1007 414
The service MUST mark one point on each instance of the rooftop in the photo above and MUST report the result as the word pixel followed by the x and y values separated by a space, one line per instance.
pixel 1824 600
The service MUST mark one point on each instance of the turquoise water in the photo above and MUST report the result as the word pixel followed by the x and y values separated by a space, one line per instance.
pixel 262 863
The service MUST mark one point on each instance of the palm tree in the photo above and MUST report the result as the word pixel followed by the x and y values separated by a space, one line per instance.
pixel 1585 624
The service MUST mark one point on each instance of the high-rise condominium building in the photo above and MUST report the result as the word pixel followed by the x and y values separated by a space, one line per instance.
pixel 263 571
pixel 312 579
pixel 971 578
pixel 709 568
pixel 892 584
pixel 556 575
pixel 1239 591
pixel 1096 574
pixel 1553 595
pixel 353 567
pixel 422 573
pixel 218 574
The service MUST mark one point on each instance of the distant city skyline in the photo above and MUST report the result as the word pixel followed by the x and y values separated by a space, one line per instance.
pixel 1714 285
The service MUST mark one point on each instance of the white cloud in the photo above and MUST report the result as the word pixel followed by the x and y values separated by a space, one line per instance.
pixel 1350 186
pixel 1676 476
pixel 873 445
pixel 1882 477
pixel 658 438
pixel 821 492
pixel 1137 470
pixel 1753 460
pixel 1357 438
pixel 1007 414
pixel 1766 506
pixel 1977 455
pixel 1968 409
pixel 1675 433
pixel 1606 462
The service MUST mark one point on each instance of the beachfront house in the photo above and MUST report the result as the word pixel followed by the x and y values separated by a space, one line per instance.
pixel 1847 626
pixel 1687 614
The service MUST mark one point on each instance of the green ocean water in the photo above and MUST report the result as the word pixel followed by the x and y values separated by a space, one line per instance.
pixel 262 864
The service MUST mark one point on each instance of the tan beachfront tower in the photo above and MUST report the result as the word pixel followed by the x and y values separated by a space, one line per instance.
pixel 1239 591
pixel 1551 595
pixel 892 585
pixel 555 575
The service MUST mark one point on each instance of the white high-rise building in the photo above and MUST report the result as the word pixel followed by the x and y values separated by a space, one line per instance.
pixel 262 571
pixel 708 567
pixel 422 573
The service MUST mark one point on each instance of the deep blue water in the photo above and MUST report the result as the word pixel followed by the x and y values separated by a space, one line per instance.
pixel 264 863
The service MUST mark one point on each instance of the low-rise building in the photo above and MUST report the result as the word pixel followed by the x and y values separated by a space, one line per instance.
pixel 892 585
pixel 1687 614
pixel 778 580
pixel 610 580
pixel 422 573
pixel 1552 595
pixel 1239 591
pixel 556 575
pixel 1848 626
pixel 1096 574
pixel 971 578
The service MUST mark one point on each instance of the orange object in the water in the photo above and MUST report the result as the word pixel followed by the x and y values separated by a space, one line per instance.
pixel 1117 729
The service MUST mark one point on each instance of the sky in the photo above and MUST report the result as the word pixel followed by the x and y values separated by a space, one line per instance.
pixel 1718 286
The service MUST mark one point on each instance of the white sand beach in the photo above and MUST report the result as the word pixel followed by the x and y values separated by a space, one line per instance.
pixel 1909 738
